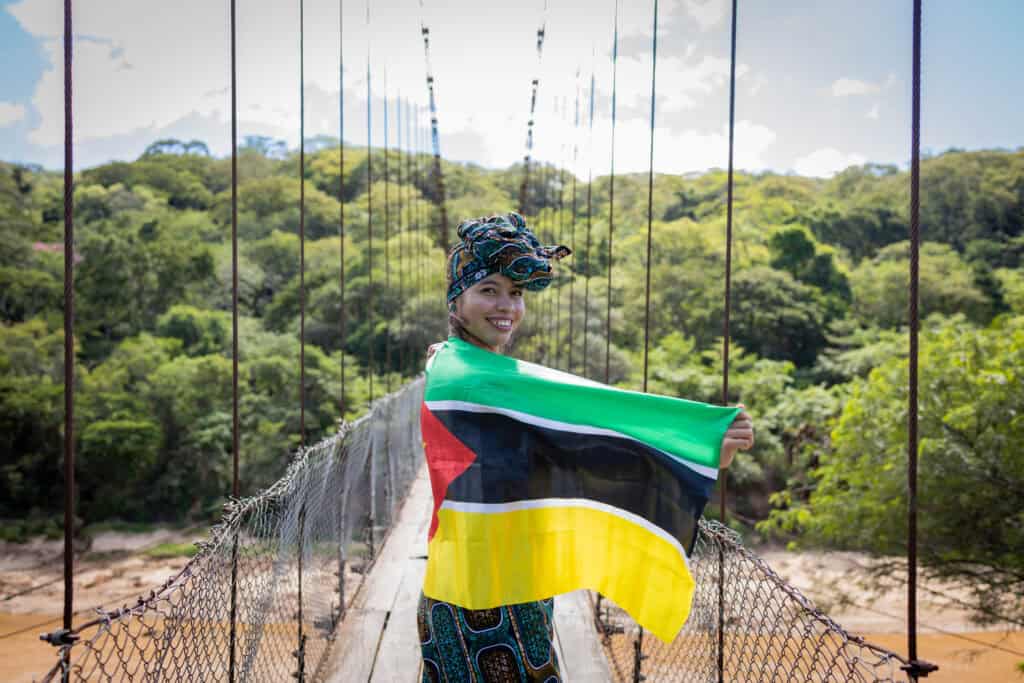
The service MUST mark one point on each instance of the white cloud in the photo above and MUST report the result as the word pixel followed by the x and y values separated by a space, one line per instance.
pixel 11 113
pixel 757 85
pixel 826 162
pixel 688 81
pixel 844 87
pixel 707 13
pixel 874 112
pixel 675 151
pixel 148 67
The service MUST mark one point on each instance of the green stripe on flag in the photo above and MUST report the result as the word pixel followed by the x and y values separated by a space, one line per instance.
pixel 685 429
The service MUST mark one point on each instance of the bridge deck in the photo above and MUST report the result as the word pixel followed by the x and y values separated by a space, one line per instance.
pixel 378 641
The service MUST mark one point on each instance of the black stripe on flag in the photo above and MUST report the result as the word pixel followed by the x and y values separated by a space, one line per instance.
pixel 518 461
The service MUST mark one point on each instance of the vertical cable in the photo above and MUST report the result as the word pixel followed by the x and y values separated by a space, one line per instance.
pixel 234 338
pixel 561 238
pixel 611 205
pixel 534 85
pixel 69 328
pixel 435 137
pixel 387 240
pixel 575 161
pixel 399 104
pixel 302 224
pixel 234 258
pixel 650 234
pixel 912 380
pixel 369 209
pixel 722 491
pixel 417 198
pixel 342 317
pixel 650 204
pixel 590 225
pixel 302 314
pixel 407 229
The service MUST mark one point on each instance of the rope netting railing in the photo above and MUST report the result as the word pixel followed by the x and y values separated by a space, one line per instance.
pixel 772 632
pixel 291 558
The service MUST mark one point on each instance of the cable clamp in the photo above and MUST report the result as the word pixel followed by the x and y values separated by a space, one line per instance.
pixel 60 638
pixel 918 668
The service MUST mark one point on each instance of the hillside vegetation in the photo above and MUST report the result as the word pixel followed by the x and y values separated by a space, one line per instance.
pixel 818 327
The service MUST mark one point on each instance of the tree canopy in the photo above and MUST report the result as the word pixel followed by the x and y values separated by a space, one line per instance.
pixel 818 322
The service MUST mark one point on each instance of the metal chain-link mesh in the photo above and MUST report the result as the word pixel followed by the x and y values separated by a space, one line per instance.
pixel 314 533
pixel 772 632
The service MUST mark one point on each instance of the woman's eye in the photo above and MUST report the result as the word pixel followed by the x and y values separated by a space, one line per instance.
pixel 517 292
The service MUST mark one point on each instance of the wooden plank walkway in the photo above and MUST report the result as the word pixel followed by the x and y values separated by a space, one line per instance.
pixel 378 641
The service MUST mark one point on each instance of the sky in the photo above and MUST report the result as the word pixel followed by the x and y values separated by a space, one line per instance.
pixel 820 85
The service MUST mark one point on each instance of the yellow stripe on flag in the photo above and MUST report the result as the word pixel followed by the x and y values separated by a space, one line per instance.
pixel 479 560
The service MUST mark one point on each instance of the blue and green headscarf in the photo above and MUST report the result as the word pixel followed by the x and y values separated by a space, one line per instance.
pixel 500 244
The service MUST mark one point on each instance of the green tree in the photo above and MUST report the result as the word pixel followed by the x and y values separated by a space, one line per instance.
pixel 31 417
pixel 971 471
pixel 880 285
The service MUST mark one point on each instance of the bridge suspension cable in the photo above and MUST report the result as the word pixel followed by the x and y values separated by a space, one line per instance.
pixel 69 324
pixel 302 224
pixel 342 312
pixel 387 237
pixel 369 209
pixel 534 86
pixel 572 226
pixel 435 138
pixel 590 226
pixel 611 203
pixel 723 474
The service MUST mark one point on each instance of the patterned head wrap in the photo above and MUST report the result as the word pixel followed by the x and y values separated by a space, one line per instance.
pixel 500 244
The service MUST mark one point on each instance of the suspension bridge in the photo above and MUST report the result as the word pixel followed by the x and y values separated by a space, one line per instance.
pixel 316 578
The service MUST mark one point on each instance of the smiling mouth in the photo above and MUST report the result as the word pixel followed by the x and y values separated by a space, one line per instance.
pixel 503 324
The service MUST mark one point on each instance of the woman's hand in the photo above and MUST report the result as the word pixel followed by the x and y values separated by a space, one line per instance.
pixel 739 437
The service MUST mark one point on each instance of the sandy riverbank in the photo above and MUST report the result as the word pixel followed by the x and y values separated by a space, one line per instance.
pixel 116 571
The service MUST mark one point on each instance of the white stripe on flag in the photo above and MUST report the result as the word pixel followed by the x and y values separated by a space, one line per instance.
pixel 466 406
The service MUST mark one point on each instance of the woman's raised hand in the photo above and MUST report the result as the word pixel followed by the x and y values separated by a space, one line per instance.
pixel 739 437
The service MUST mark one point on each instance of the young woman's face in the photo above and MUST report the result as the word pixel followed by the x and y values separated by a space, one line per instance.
pixel 492 309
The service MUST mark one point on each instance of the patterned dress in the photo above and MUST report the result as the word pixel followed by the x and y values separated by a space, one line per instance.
pixel 507 644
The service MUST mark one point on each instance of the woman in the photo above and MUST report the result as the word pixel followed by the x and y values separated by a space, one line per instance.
pixel 496 261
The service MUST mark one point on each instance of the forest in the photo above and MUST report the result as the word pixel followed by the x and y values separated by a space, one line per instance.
pixel 818 329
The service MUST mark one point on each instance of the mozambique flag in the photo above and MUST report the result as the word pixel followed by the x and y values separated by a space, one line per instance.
pixel 545 483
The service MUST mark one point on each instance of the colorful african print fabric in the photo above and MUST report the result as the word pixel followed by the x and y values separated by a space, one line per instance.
pixel 500 244
pixel 507 644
